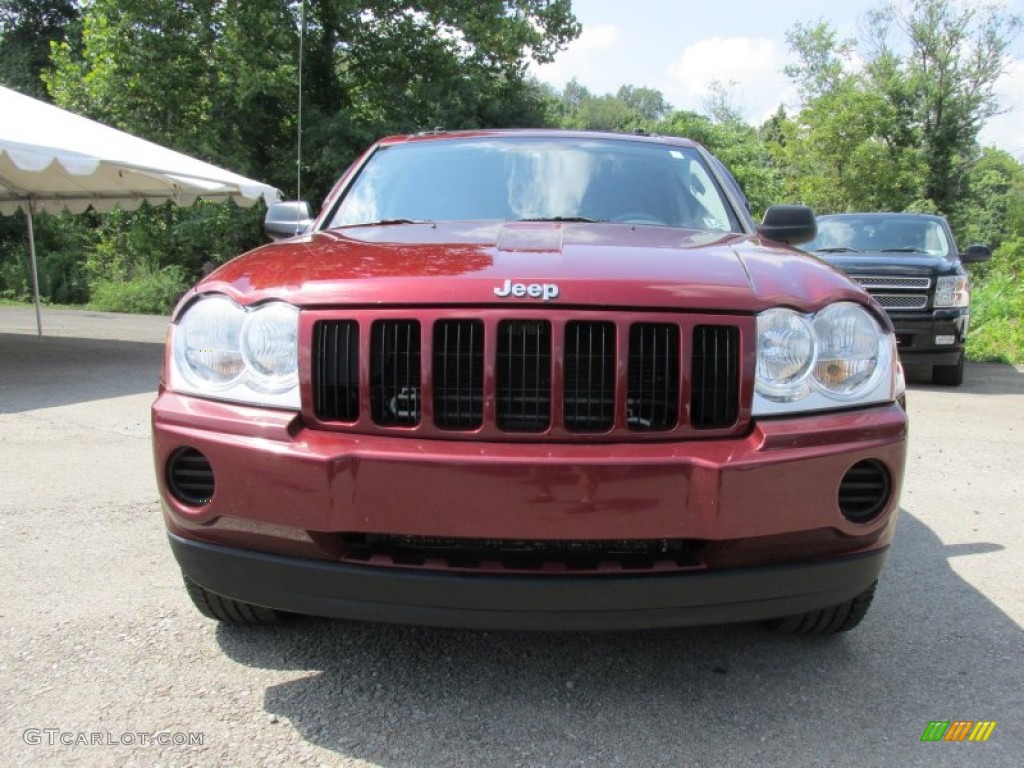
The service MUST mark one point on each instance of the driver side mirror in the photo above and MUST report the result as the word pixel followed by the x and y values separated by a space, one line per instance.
pixel 790 224
pixel 976 254
pixel 287 219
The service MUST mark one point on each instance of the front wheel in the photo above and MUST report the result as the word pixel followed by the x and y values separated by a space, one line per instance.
pixel 949 375
pixel 227 610
pixel 827 621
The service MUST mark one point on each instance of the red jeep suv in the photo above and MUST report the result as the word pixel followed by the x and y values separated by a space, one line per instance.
pixel 532 380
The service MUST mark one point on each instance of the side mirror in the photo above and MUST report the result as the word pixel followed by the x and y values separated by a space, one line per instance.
pixel 791 224
pixel 287 219
pixel 976 254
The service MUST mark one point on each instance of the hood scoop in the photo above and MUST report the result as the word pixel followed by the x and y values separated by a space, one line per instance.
pixel 530 237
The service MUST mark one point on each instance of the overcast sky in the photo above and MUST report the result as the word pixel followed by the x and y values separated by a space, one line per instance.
pixel 680 46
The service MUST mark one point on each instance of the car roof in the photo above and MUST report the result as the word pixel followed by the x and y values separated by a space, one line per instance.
pixel 443 135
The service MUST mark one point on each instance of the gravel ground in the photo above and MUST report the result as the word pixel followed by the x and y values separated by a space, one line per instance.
pixel 99 641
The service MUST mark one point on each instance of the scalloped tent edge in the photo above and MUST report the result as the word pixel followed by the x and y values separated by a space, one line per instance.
pixel 53 160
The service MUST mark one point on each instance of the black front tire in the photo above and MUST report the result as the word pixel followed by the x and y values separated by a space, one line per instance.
pixel 949 375
pixel 229 611
pixel 827 621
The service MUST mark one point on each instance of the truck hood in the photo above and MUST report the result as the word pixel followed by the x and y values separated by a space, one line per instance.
pixel 605 265
pixel 891 264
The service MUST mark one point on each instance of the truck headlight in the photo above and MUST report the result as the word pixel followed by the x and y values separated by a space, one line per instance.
pixel 838 357
pixel 248 355
pixel 953 291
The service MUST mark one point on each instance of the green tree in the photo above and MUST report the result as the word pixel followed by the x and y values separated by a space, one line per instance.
pixel 27 29
pixel 940 72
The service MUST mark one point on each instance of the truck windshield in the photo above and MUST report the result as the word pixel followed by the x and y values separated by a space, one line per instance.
pixel 537 179
pixel 880 233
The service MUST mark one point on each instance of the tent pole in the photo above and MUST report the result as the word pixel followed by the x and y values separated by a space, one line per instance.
pixel 29 210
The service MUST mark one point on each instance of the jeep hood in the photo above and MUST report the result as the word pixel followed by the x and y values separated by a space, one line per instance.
pixel 603 265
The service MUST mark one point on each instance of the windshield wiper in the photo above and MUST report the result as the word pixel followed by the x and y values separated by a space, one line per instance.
pixel 902 250
pixel 837 249
pixel 570 219
pixel 389 222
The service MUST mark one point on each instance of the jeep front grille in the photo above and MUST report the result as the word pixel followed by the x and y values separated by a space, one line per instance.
pixel 440 373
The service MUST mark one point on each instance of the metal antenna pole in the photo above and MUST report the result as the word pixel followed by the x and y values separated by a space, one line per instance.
pixel 298 161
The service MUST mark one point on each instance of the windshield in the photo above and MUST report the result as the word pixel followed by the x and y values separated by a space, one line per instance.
pixel 528 178
pixel 880 234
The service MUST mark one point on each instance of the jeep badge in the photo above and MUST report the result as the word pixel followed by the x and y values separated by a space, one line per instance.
pixel 545 291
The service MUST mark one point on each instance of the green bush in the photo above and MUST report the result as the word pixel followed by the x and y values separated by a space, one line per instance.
pixel 997 308
pixel 146 293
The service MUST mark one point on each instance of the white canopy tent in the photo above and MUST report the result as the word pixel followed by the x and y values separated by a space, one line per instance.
pixel 52 159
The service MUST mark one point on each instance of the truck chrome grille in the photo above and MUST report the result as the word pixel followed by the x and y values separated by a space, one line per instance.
pixel 579 374
pixel 894 283
pixel 893 301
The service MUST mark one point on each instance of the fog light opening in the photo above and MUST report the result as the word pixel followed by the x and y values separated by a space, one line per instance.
pixel 190 477
pixel 864 491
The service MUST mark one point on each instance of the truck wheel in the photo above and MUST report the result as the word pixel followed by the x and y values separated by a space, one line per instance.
pixel 221 608
pixel 949 375
pixel 827 621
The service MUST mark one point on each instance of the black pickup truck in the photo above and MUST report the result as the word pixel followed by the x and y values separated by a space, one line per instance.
pixel 910 264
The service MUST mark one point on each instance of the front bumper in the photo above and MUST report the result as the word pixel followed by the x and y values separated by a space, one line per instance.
pixel 762 508
pixel 492 601
pixel 916 333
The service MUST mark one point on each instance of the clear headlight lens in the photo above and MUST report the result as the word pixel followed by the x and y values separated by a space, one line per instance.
pixel 785 353
pixel 848 349
pixel 206 347
pixel 953 291
pixel 838 357
pixel 222 350
pixel 270 345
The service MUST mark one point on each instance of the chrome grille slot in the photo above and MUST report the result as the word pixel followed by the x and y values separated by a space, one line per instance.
pixel 895 283
pixel 589 377
pixel 395 372
pixel 524 375
pixel 336 370
pixel 893 301
pixel 458 374
pixel 714 392
pixel 653 396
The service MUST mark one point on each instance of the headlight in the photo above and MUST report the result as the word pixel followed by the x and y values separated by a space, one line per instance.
pixel 836 358
pixel 222 350
pixel 953 292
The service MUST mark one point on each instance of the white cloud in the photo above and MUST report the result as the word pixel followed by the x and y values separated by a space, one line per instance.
pixel 750 68
pixel 585 59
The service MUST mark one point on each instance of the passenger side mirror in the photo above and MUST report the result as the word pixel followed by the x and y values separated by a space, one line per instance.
pixel 976 254
pixel 791 224
pixel 287 219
